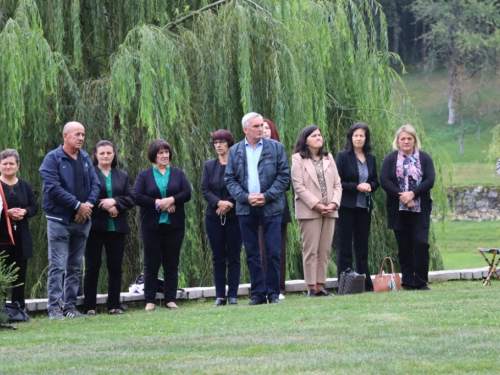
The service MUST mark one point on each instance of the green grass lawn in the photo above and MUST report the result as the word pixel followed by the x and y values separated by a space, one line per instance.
pixel 452 329
pixel 459 242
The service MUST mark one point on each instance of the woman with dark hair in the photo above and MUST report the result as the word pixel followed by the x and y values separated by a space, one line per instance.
pixel 109 228
pixel 269 131
pixel 358 172
pixel 221 222
pixel 161 192
pixel 19 204
pixel 407 176
pixel 318 192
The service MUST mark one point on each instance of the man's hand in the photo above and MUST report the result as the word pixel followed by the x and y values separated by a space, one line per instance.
pixel 256 199
pixel 83 213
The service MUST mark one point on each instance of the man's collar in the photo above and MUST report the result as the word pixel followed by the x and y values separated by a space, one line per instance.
pixel 259 143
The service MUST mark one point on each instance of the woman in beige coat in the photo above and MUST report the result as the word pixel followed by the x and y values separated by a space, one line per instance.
pixel 317 198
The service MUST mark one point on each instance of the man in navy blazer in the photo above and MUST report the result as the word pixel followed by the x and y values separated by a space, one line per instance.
pixel 257 174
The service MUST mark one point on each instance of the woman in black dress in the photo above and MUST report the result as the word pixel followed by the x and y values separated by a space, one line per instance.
pixel 21 205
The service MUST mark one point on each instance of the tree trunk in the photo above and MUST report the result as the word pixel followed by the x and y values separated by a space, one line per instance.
pixel 451 98
pixel 461 135
pixel 424 41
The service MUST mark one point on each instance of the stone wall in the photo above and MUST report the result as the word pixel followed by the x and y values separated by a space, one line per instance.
pixel 474 203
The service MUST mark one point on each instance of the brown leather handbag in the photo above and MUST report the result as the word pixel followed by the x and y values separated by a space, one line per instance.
pixel 387 282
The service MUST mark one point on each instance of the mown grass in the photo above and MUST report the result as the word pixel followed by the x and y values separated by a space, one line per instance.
pixel 458 243
pixel 452 329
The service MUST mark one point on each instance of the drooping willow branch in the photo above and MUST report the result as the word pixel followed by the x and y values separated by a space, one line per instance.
pixel 171 25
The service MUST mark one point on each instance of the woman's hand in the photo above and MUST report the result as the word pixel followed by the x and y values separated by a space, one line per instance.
pixel 319 208
pixel 113 211
pixel 165 203
pixel 107 204
pixel 223 207
pixel 329 209
pixel 17 214
pixel 406 197
pixel 364 187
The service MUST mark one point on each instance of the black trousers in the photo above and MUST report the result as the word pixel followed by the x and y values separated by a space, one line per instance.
pixel 413 250
pixel 225 241
pixel 282 255
pixel 114 245
pixel 161 247
pixel 353 228
pixel 15 255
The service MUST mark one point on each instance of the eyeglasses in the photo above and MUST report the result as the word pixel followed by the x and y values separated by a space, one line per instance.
pixel 221 142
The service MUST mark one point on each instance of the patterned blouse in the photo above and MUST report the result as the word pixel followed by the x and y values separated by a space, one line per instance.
pixel 409 174
pixel 318 166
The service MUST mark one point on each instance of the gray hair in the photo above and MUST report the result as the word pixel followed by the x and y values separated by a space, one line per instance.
pixel 407 129
pixel 9 152
pixel 248 116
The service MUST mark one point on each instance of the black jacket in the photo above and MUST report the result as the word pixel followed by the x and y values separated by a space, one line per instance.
pixel 212 189
pixel 122 194
pixel 27 201
pixel 389 182
pixel 146 192
pixel 347 165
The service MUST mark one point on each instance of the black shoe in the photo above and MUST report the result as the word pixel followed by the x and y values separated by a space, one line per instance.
pixel 323 293
pixel 275 300
pixel 220 302
pixel 311 293
pixel 254 302
pixel 407 287
pixel 233 300
pixel 425 287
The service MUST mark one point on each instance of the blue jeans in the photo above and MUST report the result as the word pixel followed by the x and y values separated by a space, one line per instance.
pixel 261 284
pixel 66 249
pixel 225 241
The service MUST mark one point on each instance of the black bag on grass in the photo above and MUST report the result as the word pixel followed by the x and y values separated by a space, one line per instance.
pixel 14 313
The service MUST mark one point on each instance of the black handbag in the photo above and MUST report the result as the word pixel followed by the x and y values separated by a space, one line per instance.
pixel 351 283
pixel 14 313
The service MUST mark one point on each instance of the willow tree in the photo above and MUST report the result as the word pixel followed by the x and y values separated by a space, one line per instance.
pixel 181 77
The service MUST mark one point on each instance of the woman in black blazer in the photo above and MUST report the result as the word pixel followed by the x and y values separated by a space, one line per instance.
pixel 358 174
pixel 407 176
pixel 221 222
pixel 20 198
pixel 109 228
pixel 161 192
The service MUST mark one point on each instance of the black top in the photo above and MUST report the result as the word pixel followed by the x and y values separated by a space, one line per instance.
pixel 389 182
pixel 146 192
pixel 78 180
pixel 347 165
pixel 21 195
pixel 213 188
pixel 122 194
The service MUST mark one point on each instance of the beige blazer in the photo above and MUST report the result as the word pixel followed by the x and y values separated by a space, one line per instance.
pixel 306 186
